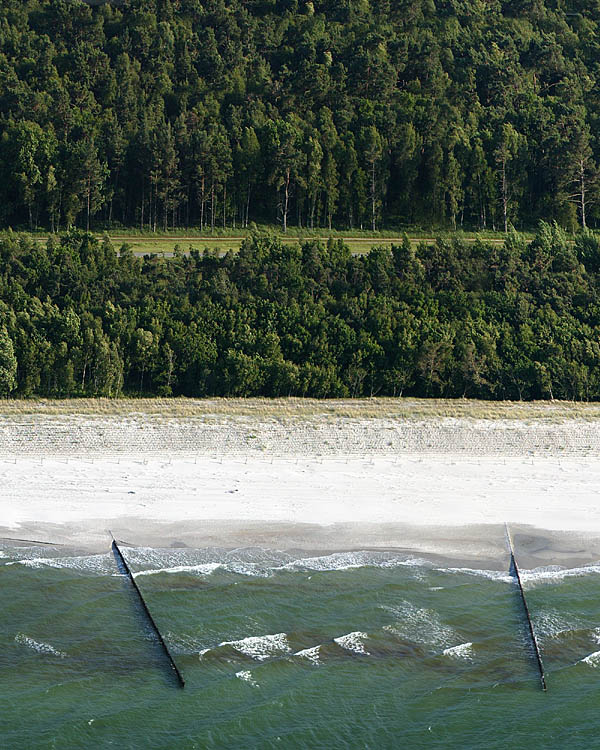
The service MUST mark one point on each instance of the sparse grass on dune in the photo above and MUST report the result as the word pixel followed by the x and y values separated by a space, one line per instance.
pixel 291 408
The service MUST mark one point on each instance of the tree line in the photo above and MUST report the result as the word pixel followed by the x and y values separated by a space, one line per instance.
pixel 517 320
pixel 161 114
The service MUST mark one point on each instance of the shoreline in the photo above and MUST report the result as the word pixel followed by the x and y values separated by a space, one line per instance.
pixel 477 547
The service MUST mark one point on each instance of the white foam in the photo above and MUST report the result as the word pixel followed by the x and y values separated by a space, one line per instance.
pixel 246 569
pixel 238 567
pixel 555 573
pixel 101 564
pixel 353 642
pixel 350 560
pixel 419 625
pixel 544 574
pixel 550 623
pixel 593 659
pixel 492 575
pixel 312 654
pixel 462 651
pixel 261 647
pixel 39 646
pixel 203 569
pixel 263 563
pixel 246 675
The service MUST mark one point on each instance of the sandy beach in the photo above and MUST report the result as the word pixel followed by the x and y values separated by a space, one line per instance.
pixel 435 486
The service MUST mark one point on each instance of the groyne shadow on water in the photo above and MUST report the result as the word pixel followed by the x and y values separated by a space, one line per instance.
pixel 124 569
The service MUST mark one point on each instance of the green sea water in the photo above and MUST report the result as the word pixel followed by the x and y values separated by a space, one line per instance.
pixel 348 650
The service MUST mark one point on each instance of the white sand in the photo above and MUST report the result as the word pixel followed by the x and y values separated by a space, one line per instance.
pixel 550 493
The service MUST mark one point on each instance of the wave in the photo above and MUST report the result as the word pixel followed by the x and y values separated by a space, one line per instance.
pixel 312 654
pixel 549 623
pixel 593 659
pixel 350 560
pixel 263 563
pixel 266 564
pixel 353 642
pixel 98 564
pixel 492 575
pixel 462 651
pixel 252 561
pixel 39 646
pixel 542 574
pixel 202 569
pixel 419 625
pixel 184 644
pixel 246 675
pixel 556 573
pixel 261 647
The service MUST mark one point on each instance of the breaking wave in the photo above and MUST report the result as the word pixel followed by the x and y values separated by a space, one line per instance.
pixel 350 560
pixel 203 569
pixel 492 575
pixel 353 642
pixel 419 625
pixel 263 563
pixel 592 660
pixel 39 646
pixel 246 675
pixel 90 564
pixel 261 647
pixel 462 651
pixel 556 573
pixel 312 654
pixel 549 623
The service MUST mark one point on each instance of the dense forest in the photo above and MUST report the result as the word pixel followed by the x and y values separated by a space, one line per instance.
pixel 511 320
pixel 346 113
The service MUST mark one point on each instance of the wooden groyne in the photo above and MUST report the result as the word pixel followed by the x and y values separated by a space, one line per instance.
pixel 514 569
pixel 124 567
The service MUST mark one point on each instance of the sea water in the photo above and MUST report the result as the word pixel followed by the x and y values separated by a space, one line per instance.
pixel 279 650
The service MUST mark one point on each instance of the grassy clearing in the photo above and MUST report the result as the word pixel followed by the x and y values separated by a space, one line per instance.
pixel 293 408
pixel 222 241
pixel 293 232
pixel 156 245
pixel 150 245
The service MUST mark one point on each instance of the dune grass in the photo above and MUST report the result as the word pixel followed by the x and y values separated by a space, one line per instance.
pixel 291 408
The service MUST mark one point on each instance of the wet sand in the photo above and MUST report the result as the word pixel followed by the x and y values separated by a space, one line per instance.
pixel 477 546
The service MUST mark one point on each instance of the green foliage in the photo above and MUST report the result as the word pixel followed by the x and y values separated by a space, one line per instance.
pixel 337 113
pixel 451 319
pixel 8 364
